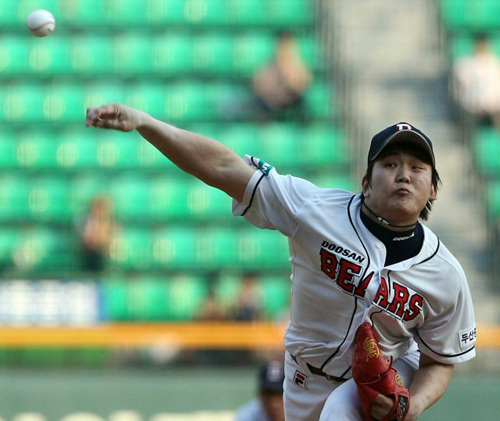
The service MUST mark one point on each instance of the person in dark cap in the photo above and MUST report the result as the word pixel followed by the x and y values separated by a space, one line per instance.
pixel 356 258
pixel 268 406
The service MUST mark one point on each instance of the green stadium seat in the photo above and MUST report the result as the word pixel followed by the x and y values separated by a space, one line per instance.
pixel 115 300
pixel 12 14
pixel 14 198
pixel 131 54
pixel 486 147
pixel 90 55
pixel 165 12
pixel 148 299
pixel 103 90
pixel 247 13
pixel 122 15
pixel 320 100
pixel 8 149
pixel 82 13
pixel 212 53
pixel 186 294
pixel 206 202
pixel 77 149
pixel 227 289
pixel 52 252
pixel 493 199
pixel 36 150
pixel 470 15
pixel 9 240
pixel 50 57
pixel 149 97
pixel 462 45
pixel 279 144
pixel 132 249
pixel 216 248
pixel 167 197
pixel 116 150
pixel 14 56
pixel 262 248
pixel 49 199
pixel 251 50
pixel 21 102
pixel 129 195
pixel 310 50
pixel 242 138
pixel 323 145
pixel 84 187
pixel 190 100
pixel 172 53
pixel 205 12
pixel 276 293
pixel 174 248
pixel 63 102
pixel 290 13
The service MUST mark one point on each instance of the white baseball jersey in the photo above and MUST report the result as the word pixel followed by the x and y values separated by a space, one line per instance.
pixel 339 278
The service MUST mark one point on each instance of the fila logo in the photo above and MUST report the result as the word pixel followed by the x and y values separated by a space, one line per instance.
pixel 300 379
pixel 404 127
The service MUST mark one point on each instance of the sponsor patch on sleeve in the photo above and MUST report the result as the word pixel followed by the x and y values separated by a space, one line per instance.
pixel 264 167
pixel 467 337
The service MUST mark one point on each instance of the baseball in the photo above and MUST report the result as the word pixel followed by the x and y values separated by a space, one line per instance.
pixel 41 22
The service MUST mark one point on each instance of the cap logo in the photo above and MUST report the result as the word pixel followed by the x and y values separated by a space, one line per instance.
pixel 404 127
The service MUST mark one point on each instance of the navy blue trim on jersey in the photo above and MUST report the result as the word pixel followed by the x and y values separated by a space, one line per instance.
pixel 355 298
pixel 444 355
pixel 433 254
pixel 253 194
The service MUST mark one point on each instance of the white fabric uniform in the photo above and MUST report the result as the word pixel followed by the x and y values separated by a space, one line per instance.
pixel 339 279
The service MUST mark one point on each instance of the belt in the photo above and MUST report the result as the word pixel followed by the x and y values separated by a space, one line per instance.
pixel 320 372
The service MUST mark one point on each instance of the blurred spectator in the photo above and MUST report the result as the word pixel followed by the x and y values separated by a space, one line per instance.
pixel 96 234
pixel 268 406
pixel 476 84
pixel 212 310
pixel 248 307
pixel 280 85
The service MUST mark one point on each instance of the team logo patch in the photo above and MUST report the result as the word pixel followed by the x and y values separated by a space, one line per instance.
pixel 399 380
pixel 371 348
pixel 300 379
pixel 265 167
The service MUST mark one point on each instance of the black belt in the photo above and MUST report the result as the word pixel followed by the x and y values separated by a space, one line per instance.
pixel 320 372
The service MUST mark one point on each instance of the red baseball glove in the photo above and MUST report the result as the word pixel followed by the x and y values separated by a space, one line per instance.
pixel 374 374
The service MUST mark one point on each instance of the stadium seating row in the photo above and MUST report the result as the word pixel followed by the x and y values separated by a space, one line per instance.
pixel 45 251
pixel 177 101
pixel 181 297
pixel 74 148
pixel 168 53
pixel 162 198
pixel 463 20
pixel 470 15
pixel 486 152
pixel 82 14
pixel 462 45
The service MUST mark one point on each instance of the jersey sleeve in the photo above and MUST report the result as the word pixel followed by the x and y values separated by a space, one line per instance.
pixel 272 200
pixel 450 336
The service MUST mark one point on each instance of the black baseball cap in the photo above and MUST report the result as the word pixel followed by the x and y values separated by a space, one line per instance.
pixel 271 377
pixel 400 132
